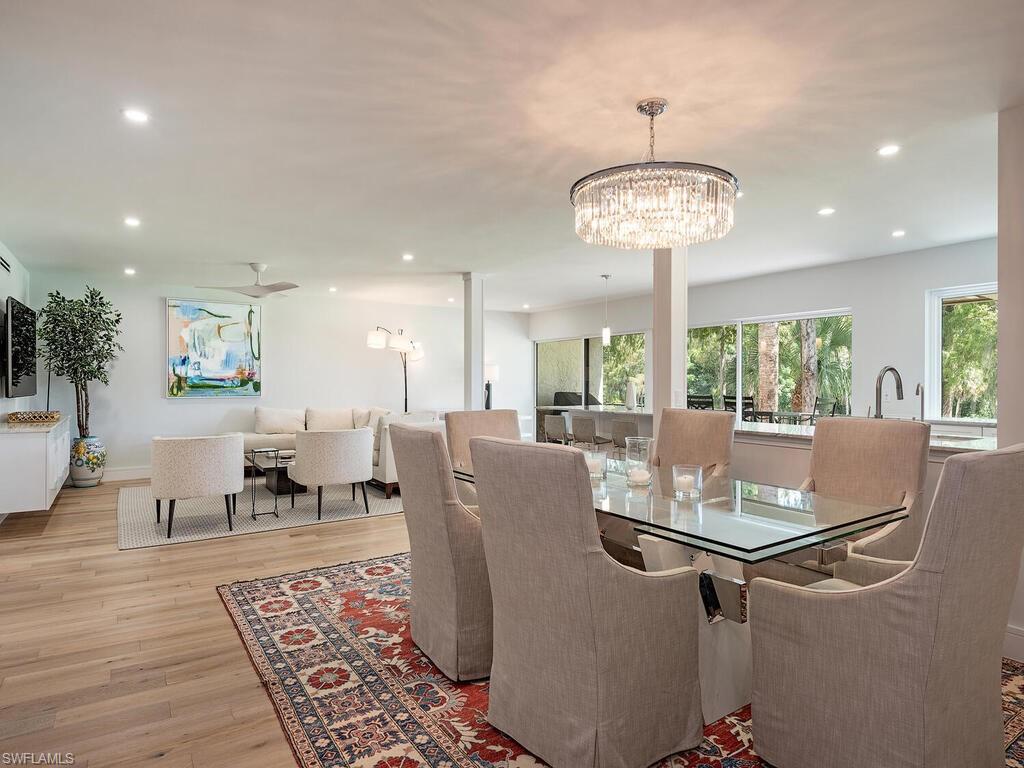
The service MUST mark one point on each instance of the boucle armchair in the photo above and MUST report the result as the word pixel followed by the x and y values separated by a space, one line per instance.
pixel 451 596
pixel 332 457
pixel 870 461
pixel 906 671
pixel 695 437
pixel 595 663
pixel 191 467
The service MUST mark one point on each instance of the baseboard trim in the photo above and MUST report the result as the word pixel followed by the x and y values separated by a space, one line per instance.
pixel 127 473
pixel 1013 643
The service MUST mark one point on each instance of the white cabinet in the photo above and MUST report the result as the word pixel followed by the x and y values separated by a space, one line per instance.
pixel 34 461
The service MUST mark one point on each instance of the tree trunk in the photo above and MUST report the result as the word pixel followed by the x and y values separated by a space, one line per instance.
pixel 768 367
pixel 82 402
pixel 806 391
pixel 721 365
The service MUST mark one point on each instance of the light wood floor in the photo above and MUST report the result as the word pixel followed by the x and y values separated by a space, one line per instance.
pixel 129 658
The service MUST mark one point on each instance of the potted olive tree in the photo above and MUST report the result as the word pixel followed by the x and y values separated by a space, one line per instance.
pixel 78 340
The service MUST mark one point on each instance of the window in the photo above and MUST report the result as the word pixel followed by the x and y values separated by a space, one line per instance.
pixel 963 360
pixel 566 368
pixel 787 369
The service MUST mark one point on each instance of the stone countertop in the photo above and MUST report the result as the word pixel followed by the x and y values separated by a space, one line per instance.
pixel 596 409
pixel 939 442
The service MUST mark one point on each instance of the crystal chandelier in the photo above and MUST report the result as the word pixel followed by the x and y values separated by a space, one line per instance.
pixel 654 204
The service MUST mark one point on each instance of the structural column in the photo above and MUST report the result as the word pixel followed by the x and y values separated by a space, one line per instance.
pixel 669 333
pixel 473 340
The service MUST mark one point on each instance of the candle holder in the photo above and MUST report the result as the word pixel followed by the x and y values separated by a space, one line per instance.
pixel 597 464
pixel 638 461
pixel 687 481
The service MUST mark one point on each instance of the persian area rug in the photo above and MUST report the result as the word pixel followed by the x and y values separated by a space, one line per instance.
pixel 351 689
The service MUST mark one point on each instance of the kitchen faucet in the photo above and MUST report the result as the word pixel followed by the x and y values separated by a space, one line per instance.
pixel 878 388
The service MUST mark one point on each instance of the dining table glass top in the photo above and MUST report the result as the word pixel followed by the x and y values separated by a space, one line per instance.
pixel 742 520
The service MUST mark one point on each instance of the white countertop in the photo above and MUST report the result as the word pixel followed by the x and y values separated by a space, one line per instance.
pixel 596 409
pixel 940 442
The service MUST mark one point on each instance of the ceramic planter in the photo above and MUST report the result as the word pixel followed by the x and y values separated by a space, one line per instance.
pixel 88 457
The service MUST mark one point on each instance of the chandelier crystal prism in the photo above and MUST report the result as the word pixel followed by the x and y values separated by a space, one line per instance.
pixel 654 204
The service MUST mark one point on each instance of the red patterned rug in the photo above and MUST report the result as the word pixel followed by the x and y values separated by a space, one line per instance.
pixel 332 647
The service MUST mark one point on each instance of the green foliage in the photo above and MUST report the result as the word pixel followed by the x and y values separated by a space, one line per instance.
pixel 969 359
pixel 711 354
pixel 78 340
pixel 623 361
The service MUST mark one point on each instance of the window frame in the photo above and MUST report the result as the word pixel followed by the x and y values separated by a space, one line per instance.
pixel 933 348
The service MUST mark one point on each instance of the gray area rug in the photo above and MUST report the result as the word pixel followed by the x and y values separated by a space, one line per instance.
pixel 199 519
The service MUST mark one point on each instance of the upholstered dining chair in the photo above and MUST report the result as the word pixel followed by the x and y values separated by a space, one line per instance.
pixel 621 429
pixel 595 663
pixel 695 437
pixel 332 457
pixel 555 431
pixel 871 461
pixel 905 671
pixel 460 426
pixel 192 467
pixel 451 596
pixel 584 430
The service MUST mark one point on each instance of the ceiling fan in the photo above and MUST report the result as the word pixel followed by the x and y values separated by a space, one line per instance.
pixel 258 290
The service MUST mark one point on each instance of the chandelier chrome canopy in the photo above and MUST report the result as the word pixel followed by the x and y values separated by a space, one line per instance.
pixel 654 204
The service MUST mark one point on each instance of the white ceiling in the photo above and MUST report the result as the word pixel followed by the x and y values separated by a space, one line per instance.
pixel 328 137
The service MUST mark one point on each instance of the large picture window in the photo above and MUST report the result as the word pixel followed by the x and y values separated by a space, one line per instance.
pixel 964 359
pixel 565 368
pixel 788 370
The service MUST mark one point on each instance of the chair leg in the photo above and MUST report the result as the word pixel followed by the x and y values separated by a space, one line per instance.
pixel 319 501
pixel 365 502
pixel 227 507
pixel 292 484
pixel 353 491
pixel 234 503
pixel 158 511
pixel 170 517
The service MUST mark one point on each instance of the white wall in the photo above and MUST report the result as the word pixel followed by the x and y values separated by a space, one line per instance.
pixel 886 295
pixel 507 344
pixel 14 283
pixel 314 354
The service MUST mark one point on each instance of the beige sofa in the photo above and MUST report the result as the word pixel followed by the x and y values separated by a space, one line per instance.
pixel 276 428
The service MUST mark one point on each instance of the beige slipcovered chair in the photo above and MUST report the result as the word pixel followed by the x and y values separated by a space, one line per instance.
pixel 870 461
pixel 460 426
pixel 905 671
pixel 191 467
pixel 451 596
pixel 332 457
pixel 595 663
pixel 695 437
pixel 555 431
pixel 584 430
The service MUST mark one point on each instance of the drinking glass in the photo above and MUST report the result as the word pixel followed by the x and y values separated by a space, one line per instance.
pixel 687 481
pixel 638 461
pixel 597 464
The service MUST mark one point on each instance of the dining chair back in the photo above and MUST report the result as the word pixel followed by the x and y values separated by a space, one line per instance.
pixel 332 457
pixel 554 429
pixel 450 605
pixel 621 429
pixel 701 438
pixel 700 402
pixel 460 426
pixel 571 623
pixel 924 646
pixel 191 467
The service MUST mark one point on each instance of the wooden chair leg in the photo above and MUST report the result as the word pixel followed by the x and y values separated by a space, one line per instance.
pixel 365 502
pixel 158 511
pixel 319 501
pixel 227 507
pixel 389 488
pixel 353 491
pixel 292 484
pixel 170 517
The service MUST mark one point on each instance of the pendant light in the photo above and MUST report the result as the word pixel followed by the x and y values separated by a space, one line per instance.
pixel 606 332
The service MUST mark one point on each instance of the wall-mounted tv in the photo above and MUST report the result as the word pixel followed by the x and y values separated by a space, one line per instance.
pixel 19 350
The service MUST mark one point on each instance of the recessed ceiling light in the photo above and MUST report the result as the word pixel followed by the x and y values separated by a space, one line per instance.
pixel 132 221
pixel 739 193
pixel 826 211
pixel 898 233
pixel 889 150
pixel 407 257
pixel 526 306
pixel 129 271
pixel 332 289
pixel 451 299
pixel 135 115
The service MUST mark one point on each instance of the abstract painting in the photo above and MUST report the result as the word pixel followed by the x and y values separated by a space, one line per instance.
pixel 213 349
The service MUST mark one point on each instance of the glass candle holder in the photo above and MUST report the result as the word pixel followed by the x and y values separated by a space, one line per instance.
pixel 597 464
pixel 687 481
pixel 638 461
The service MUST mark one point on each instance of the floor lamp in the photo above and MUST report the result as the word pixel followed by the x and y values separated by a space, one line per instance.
pixel 407 349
